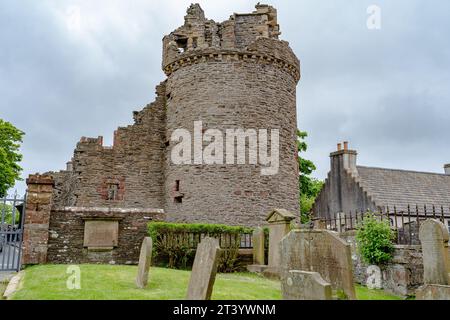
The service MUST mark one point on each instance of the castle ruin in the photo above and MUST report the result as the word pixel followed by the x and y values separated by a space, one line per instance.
pixel 234 74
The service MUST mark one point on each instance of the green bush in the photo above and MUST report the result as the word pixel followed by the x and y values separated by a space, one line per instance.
pixel 176 243
pixel 374 239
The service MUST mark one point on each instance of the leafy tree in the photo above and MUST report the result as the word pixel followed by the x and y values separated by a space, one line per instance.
pixel 7 211
pixel 374 239
pixel 10 139
pixel 309 187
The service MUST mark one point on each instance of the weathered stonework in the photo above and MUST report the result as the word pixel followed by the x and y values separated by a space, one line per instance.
pixel 37 219
pixel 67 231
pixel 401 276
pixel 229 75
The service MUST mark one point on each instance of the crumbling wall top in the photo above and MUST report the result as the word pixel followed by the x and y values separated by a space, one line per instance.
pixel 241 31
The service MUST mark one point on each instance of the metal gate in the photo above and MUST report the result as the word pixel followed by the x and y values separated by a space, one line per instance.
pixel 12 211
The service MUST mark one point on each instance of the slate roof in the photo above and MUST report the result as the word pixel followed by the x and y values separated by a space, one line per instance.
pixel 391 187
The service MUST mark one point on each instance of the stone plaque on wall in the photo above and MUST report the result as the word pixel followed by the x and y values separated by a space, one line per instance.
pixel 101 233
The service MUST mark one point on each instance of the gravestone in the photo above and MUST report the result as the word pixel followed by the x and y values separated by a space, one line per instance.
pixel 279 225
pixel 305 285
pixel 373 277
pixel 204 270
pixel 319 251
pixel 145 260
pixel 433 292
pixel 258 246
pixel 434 239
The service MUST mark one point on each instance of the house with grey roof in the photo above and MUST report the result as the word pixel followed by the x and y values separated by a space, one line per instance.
pixel 351 188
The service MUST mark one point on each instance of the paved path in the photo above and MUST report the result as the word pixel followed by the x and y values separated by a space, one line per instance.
pixel 5 276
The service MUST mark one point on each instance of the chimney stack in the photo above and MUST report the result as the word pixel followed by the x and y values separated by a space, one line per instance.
pixel 344 158
pixel 447 168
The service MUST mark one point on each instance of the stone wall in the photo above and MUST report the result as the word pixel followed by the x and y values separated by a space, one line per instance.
pixel 66 234
pixel 128 174
pixel 402 276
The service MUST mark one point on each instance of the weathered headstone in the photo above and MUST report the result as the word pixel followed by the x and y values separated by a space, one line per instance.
pixel 279 225
pixel 433 292
pixel 204 270
pixel 434 238
pixel 258 246
pixel 373 277
pixel 305 285
pixel 145 260
pixel 319 251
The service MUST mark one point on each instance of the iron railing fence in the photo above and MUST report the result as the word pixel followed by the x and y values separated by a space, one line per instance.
pixel 12 215
pixel 404 222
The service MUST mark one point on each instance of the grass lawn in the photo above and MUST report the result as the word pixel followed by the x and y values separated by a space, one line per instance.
pixel 45 282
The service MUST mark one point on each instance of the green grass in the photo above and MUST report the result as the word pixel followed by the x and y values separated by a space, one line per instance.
pixel 107 282
pixel 363 293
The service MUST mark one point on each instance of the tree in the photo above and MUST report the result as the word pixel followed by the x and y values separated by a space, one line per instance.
pixel 309 187
pixel 10 140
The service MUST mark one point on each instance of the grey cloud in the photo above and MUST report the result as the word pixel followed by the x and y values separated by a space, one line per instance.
pixel 385 91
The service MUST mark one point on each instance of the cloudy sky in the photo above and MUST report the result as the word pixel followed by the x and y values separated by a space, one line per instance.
pixel 79 68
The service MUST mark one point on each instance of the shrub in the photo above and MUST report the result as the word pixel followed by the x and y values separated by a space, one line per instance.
pixel 176 243
pixel 374 238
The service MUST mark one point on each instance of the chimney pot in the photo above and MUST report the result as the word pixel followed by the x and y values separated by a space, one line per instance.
pixel 339 147
pixel 345 145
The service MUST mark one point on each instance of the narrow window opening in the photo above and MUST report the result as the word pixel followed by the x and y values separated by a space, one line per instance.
pixel 178 199
pixel 194 42
pixel 177 185
pixel 182 44
pixel 113 191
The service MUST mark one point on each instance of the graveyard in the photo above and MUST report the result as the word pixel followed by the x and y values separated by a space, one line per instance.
pixel 174 209
pixel 107 282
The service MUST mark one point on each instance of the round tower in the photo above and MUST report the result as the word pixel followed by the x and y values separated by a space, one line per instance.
pixel 229 76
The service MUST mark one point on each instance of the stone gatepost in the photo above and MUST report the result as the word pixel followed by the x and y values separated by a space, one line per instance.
pixel 37 219
pixel 279 226
pixel 258 239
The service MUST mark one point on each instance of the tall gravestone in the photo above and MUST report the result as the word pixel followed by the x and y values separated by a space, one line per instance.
pixel 258 246
pixel 258 239
pixel 434 238
pixel 279 225
pixel 145 260
pixel 204 270
pixel 320 251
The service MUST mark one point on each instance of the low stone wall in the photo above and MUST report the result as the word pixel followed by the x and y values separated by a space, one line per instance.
pixel 67 233
pixel 402 276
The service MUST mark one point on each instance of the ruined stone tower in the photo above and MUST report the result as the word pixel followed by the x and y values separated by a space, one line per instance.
pixel 231 75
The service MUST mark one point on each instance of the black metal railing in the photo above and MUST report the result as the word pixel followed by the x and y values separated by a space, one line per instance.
pixel 405 221
pixel 12 214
